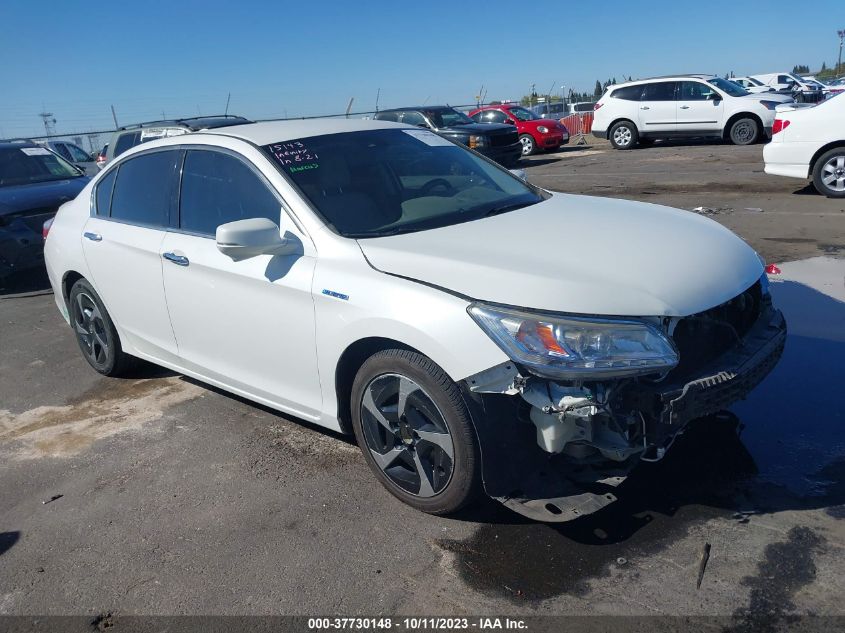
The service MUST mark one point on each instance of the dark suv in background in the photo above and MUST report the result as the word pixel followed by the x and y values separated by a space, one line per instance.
pixel 497 142
pixel 129 136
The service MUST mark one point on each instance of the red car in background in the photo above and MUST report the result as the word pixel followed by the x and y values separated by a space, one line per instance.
pixel 534 133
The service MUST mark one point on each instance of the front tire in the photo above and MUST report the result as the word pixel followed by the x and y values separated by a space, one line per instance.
pixel 528 144
pixel 624 135
pixel 415 432
pixel 745 131
pixel 95 332
pixel 829 173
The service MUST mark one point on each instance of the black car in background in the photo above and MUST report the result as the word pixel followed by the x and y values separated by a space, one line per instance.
pixel 499 142
pixel 34 183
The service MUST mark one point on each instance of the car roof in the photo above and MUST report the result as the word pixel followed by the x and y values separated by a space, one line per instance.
pixel 15 144
pixel 191 123
pixel 269 132
pixel 704 76
pixel 426 107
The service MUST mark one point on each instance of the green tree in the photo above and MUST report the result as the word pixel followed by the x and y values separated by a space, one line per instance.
pixel 598 89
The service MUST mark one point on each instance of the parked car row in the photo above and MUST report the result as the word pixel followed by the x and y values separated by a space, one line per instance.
pixel 503 133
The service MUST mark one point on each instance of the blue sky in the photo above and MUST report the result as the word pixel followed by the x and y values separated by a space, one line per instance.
pixel 293 59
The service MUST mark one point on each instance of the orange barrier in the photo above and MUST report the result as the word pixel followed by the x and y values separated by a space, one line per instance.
pixel 578 123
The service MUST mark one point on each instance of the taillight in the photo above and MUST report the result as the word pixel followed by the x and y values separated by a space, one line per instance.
pixel 779 125
pixel 45 228
pixel 597 106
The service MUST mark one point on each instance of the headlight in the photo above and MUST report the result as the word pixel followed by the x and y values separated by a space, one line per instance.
pixel 542 129
pixel 576 348
pixel 769 105
pixel 477 141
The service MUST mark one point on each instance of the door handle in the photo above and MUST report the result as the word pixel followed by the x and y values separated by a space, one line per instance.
pixel 179 260
pixel 644 107
pixel 684 107
pixel 94 237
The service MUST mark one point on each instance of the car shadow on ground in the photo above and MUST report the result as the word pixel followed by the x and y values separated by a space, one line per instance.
pixel 25 284
pixel 8 540
pixel 808 190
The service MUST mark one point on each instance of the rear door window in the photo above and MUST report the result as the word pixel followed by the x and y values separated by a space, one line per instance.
pixel 63 151
pixel 414 118
pixel 659 91
pixel 218 188
pixel 144 189
pixel 493 116
pixel 77 154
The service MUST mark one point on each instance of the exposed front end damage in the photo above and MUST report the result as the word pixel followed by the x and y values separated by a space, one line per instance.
pixel 555 450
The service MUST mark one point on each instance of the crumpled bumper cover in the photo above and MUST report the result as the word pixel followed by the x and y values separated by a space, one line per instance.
pixel 549 488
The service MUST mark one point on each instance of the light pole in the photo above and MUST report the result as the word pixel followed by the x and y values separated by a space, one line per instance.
pixel 841 35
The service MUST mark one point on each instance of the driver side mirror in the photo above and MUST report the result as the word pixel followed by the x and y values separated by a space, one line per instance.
pixel 243 239
pixel 714 96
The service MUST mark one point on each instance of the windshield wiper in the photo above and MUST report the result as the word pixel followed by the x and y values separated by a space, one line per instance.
pixel 506 207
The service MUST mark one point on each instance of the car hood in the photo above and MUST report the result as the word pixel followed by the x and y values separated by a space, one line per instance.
pixel 768 96
pixel 579 254
pixel 40 195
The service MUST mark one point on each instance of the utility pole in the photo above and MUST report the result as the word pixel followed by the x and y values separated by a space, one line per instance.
pixel 841 35
pixel 114 116
pixel 227 104
pixel 49 122
pixel 349 106
pixel 378 94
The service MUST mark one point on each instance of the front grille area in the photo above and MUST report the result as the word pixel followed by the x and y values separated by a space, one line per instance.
pixel 500 140
pixel 703 337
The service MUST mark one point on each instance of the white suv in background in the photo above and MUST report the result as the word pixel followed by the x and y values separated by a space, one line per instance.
pixel 683 105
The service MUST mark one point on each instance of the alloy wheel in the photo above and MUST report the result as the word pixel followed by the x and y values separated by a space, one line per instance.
pixel 527 145
pixel 407 435
pixel 90 328
pixel 833 173
pixel 622 136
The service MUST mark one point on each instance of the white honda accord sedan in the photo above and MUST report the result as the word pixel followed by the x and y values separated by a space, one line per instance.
pixel 473 331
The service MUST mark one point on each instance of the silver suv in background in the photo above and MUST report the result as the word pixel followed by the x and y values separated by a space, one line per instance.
pixel 129 136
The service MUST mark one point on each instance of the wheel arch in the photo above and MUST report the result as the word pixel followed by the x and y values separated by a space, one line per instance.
pixel 347 367
pixel 823 150
pixel 68 279
pixel 726 131
pixel 620 120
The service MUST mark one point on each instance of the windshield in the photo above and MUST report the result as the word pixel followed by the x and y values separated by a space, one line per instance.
pixel 27 165
pixel 446 117
pixel 384 182
pixel 523 114
pixel 734 90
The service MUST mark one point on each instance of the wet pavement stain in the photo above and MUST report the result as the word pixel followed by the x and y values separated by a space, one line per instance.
pixel 786 567
pixel 698 480
pixel 111 407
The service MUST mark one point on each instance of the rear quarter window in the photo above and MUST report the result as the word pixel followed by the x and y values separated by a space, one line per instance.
pixel 102 198
pixel 628 93
pixel 125 142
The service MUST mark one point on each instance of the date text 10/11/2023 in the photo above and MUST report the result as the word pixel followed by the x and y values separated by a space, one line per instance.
pixel 417 624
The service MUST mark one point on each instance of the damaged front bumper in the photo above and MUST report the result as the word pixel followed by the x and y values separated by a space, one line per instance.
pixel 555 452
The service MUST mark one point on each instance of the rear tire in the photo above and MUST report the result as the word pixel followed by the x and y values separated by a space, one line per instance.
pixel 744 131
pixel 623 135
pixel 415 432
pixel 95 332
pixel 829 173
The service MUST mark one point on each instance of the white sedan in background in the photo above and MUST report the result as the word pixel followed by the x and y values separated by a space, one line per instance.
pixel 471 329
pixel 809 142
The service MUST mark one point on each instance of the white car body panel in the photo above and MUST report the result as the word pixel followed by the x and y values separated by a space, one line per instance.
pixel 270 333
pixel 582 255
pixel 811 129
